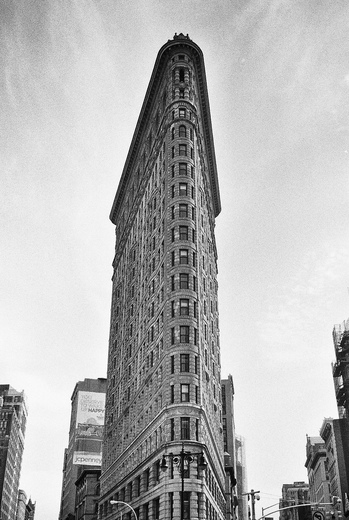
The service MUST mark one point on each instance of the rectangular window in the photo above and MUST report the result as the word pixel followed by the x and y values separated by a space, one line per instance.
pixel 157 471
pixel 172 394
pixel 183 210
pixel 183 170
pixel 172 309
pixel 173 170
pixel 156 508
pixel 181 93
pixel 184 367
pixel 183 232
pixel 172 212
pixel 183 189
pixel 172 191
pixel 186 505
pixel 194 283
pixel 196 364
pixel 185 428
pixel 182 112
pixel 182 149
pixel 172 364
pixel 184 281
pixel 172 234
pixel 184 307
pixel 146 479
pixel 183 256
pixel 173 283
pixel 173 152
pixel 170 497
pixel 172 336
pixel 172 430
pixel 196 394
pixel 195 336
pixel 184 334
pixel 195 309
pixel 185 393
pixel 172 258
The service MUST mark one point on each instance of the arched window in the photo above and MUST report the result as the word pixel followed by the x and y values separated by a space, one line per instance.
pixel 182 131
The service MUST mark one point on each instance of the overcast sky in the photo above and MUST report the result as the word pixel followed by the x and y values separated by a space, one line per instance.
pixel 73 78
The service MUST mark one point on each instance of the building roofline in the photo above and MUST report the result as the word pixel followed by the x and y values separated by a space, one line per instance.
pixel 178 41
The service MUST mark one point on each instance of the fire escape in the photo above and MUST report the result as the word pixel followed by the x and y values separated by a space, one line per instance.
pixel 340 368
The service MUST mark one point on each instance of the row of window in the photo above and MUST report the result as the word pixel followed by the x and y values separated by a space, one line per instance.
pixel 184 432
pixel 183 211
pixel 183 308
pixel 182 190
pixel 185 393
pixel 183 169
pixel 182 132
pixel 183 282
pixel 183 257
pixel 183 233
pixel 184 150
pixel 183 113
pixel 184 363
pixel 183 334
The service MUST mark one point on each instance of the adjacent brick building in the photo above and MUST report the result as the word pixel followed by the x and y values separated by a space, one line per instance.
pixel 316 464
pixel 13 420
pixel 85 439
pixel 335 433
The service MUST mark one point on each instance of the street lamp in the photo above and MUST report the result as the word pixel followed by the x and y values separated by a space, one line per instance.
pixel 125 504
pixel 182 460
pixel 254 497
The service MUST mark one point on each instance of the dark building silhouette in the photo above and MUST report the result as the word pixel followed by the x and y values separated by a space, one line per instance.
pixel 87 494
pixel 29 510
pixel 296 494
pixel 229 447
pixel 163 409
pixel 13 419
pixel 340 368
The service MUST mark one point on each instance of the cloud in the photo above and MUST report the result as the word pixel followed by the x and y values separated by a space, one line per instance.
pixel 300 311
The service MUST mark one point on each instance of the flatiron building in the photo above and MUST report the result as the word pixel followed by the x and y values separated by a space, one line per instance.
pixel 163 444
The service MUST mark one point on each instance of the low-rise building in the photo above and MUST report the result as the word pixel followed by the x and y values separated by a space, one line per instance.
pixel 296 494
pixel 87 494
pixel 335 433
pixel 13 419
pixel 316 464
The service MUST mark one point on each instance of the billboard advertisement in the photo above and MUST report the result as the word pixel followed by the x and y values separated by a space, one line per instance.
pixel 89 428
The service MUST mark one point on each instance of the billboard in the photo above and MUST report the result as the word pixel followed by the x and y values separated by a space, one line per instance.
pixel 89 428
